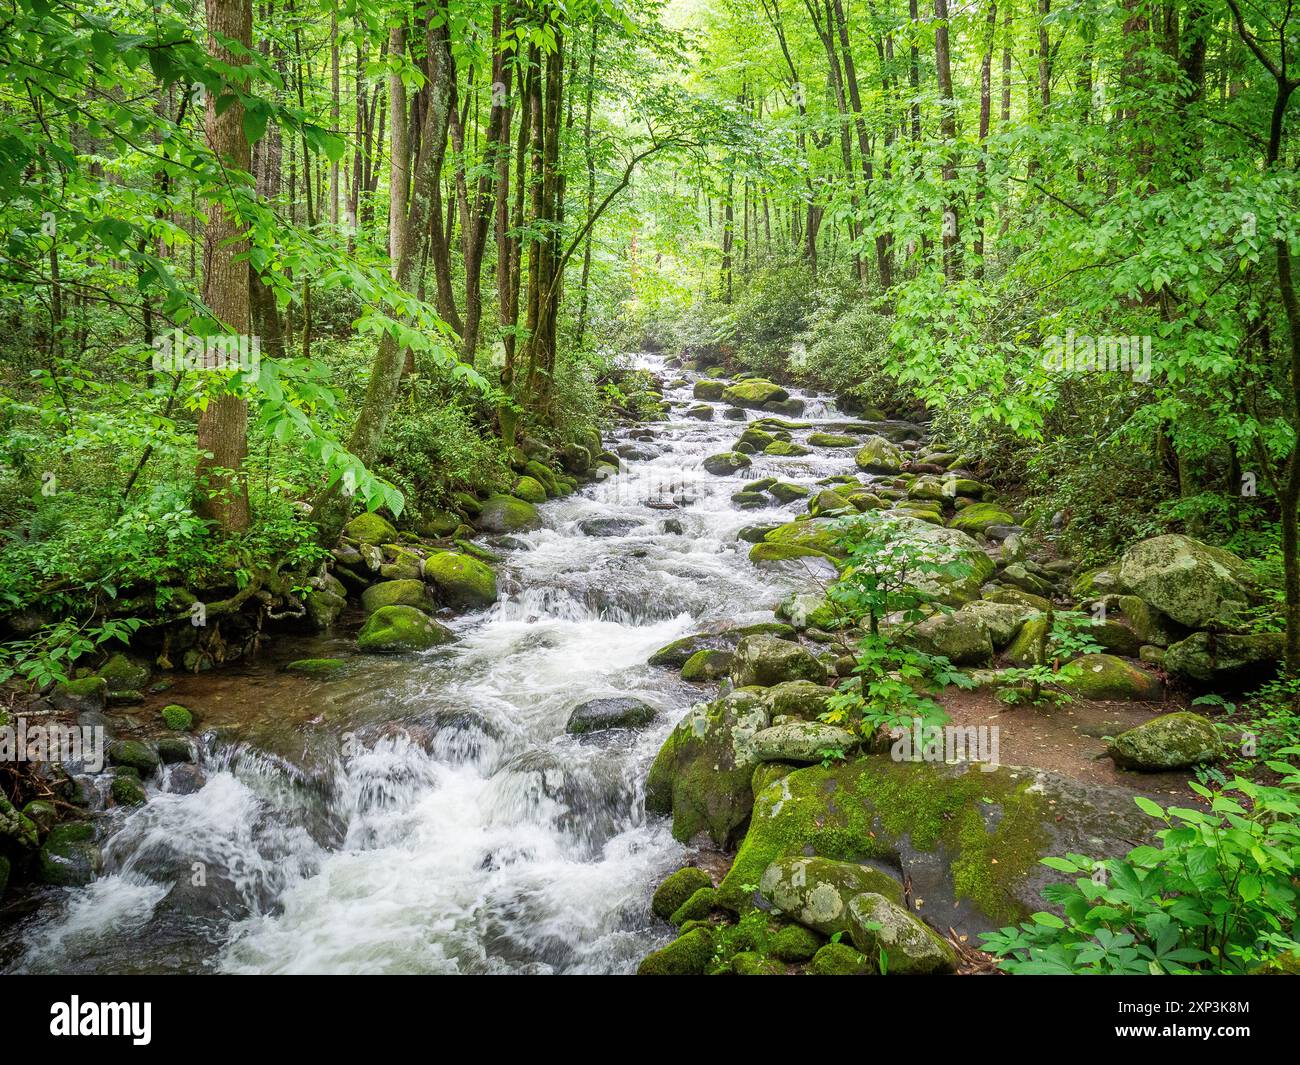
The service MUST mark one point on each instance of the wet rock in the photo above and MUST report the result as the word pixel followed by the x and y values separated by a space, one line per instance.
pixel 726 463
pixel 608 526
pixel 185 779
pixel 128 791
pixel 396 629
pixel 175 749
pixel 765 660
pixel 788 493
pixel 69 857
pixel 702 411
pixel 1171 741
pixel 506 514
pixel 597 715
pixel 460 581
pixel 786 449
pixel 906 945
pixel 135 754
pixel 816 891
pixel 1197 585
pixel 408 593
pixel 834 440
pixel 677 653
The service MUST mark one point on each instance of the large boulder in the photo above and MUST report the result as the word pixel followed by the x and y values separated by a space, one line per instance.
pixel 816 891
pixel 726 463
pixel 395 629
pixel 1197 585
pixel 903 944
pixel 1003 620
pixel 370 528
pixel 1170 741
pixel 506 514
pixel 879 455
pixel 461 581
pixel 767 660
pixel 961 637
pixel 1149 624
pixel 597 715
pixel 799 539
pixel 979 516
pixel 754 393
pixel 677 653
pixel 969 838
pixel 946 545
pixel 799 699
pixel 1104 677
pixel 701 775
pixel 1221 659
pixel 801 742
pixel 707 389
pixel 410 593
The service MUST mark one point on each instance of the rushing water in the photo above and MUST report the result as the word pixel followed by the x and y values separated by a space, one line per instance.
pixel 429 814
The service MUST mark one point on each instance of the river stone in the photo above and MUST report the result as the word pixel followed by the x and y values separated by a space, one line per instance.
pixel 1151 626
pixel 506 514
pixel 814 538
pixel 176 749
pixel 765 660
pixel 832 440
pixel 701 411
pixel 79 696
pixel 726 463
pixel 461 582
pixel 608 526
pixel 701 775
pixel 324 600
pixel 786 449
pixel 1105 677
pixel 123 676
pixel 1224 659
pixel 829 502
pixel 961 637
pixel 979 516
pixel 1195 584
pixel 1170 741
pixel 1003 620
pixel 788 493
pixel 754 393
pixel 707 389
pixel 395 629
pixel 688 955
pixel 529 489
pixel 136 754
pixel 755 437
pixel 677 653
pixel 410 593
pixel 708 665
pixel 880 927
pixel 969 838
pixel 801 742
pixel 839 959
pixel 676 889
pixel 879 455
pixel 598 715
pixel 370 528
pixel 798 698
pixel 128 791
pixel 816 891
pixel 69 857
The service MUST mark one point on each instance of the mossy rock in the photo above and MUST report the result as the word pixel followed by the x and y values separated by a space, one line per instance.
pixel 962 637
pixel 696 908
pixel 979 516
pixel 1170 741
pixel 794 943
pixel 177 718
pixel 543 475
pixel 828 502
pixel 506 514
pixel 879 455
pixel 1024 648
pixel 786 492
pixel 754 393
pixel 786 449
pixel 69 857
pixel 1196 584
pixel 709 664
pixel 688 955
pixel 530 490
pixel 397 629
pixel 1150 625
pixel 44 814
pixel 815 537
pixel 128 791
pixel 1104 677
pixel 799 699
pixel 1003 620
pixel 461 581
pixel 123 676
pixel 676 889
pixel 904 944
pixel 1000 593
pixel 136 754
pixel 766 552
pixel 751 963
pixel 836 440
pixel 437 523
pixel 15 826
pixel 802 742
pixel 78 696
pixel 408 593
pixel 969 840
pixel 816 891
pixel 316 667
pixel 701 775
pixel 726 463
pixel 840 959
pixel 1226 660
pixel 370 528
pixel 710 390
pixel 677 653
pixel 755 438
pixel 1103 580
pixel 766 660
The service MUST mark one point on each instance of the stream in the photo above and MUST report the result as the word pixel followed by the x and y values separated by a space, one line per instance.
pixel 428 813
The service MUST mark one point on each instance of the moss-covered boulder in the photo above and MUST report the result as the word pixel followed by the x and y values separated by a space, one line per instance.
pixel 1003 593
pixel 696 908
pixel 81 695
pixel 1003 620
pixel 529 489
pixel 1150 625
pixel 707 389
pixel 962 637
pixel 1023 650
pixel 507 514
pixel 840 959
pixel 676 889
pixel 786 492
pixel 903 944
pixel 968 839
pixel 798 698
pixel 835 440
pixel 1096 582
pixel 753 393
pixel 830 503
pixel 785 449
pixel 1170 741
pixel 1105 677
pixel 701 775
pixel 460 581
pixel 677 653
pixel 396 629
pixel 813 538
pixel 707 665
pixel 688 955
pixel 816 891
pixel 600 715
pixel 726 463
pixel 802 742
pixel 1197 585
pixel 370 528
pixel 128 791
pixel 69 857
pixel 177 718
pixel 324 599
pixel 123 676
pixel 1225 660
pixel 754 439
pixel 410 593
pixel 136 754
pixel 765 660
pixel 979 516
pixel 810 610
pixel 879 455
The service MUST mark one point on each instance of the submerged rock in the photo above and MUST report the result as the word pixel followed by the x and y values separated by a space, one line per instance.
pixel 596 715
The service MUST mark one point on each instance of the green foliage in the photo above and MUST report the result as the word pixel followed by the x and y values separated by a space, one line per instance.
pixel 1216 896
pixel 1059 660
